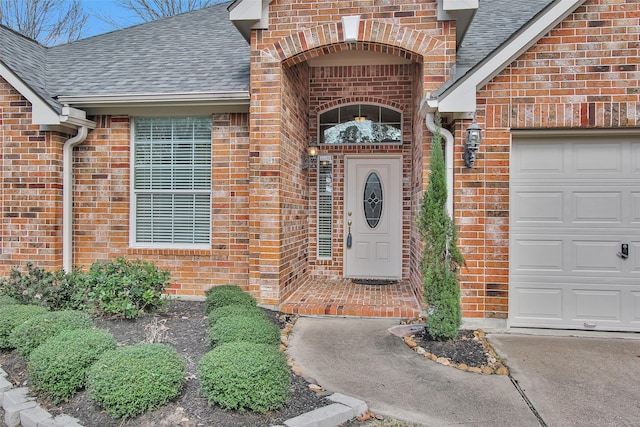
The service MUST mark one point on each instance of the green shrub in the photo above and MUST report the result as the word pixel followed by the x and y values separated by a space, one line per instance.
pixel 55 290
pixel 441 258
pixel 236 310
pixel 238 328
pixel 35 331
pixel 58 368
pixel 129 381
pixel 244 375
pixel 11 316
pixel 219 296
pixel 127 288
pixel 7 300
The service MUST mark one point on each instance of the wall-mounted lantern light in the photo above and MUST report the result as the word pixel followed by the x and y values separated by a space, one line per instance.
pixel 472 142
pixel 309 156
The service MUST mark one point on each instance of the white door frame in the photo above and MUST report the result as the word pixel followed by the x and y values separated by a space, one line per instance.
pixel 392 200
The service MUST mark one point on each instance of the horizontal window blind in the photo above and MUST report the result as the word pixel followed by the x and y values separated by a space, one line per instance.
pixel 325 208
pixel 172 181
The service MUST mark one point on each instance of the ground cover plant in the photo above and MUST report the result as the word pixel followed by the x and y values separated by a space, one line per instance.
pixel 132 380
pixel 36 330
pixel 252 312
pixel 238 328
pixel 58 368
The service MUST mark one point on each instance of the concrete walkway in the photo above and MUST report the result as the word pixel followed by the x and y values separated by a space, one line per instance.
pixel 359 358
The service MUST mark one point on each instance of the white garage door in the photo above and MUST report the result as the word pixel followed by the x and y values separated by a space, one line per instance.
pixel 575 208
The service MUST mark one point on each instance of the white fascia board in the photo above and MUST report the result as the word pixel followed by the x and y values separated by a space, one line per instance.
pixel 459 4
pixel 161 99
pixel 462 97
pixel 41 112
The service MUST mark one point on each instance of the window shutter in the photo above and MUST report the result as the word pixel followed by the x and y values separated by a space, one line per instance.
pixel 325 207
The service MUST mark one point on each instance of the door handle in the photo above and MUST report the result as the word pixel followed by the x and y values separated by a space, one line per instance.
pixel 624 251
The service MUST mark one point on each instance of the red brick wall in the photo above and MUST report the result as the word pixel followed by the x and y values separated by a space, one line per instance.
pixel 31 197
pixel 302 30
pixel 583 74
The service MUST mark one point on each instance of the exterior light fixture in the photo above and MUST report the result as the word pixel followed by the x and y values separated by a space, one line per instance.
pixel 309 156
pixel 472 142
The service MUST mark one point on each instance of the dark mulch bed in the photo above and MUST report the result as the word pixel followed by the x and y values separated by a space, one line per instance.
pixel 185 327
pixel 463 349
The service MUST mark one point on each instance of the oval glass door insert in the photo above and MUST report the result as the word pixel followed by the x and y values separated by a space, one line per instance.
pixel 373 200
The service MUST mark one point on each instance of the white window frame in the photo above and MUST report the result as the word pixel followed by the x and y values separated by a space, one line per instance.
pixel 133 242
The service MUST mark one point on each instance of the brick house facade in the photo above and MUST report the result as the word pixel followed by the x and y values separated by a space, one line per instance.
pixel 561 71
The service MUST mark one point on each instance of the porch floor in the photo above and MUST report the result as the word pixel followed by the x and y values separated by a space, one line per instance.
pixel 325 297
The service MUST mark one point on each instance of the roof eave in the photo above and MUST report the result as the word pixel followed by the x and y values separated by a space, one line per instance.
pixel 161 103
pixel 247 15
pixel 461 11
pixel 43 113
pixel 456 99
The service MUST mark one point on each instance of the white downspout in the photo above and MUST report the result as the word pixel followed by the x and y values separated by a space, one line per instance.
pixel 448 155
pixel 67 196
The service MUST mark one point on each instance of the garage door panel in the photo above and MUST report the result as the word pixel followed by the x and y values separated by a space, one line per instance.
pixel 597 206
pixel 574 201
pixel 538 207
pixel 539 159
pixel 597 159
pixel 597 304
pixel 596 256
pixel 635 207
pixel 538 255
pixel 537 303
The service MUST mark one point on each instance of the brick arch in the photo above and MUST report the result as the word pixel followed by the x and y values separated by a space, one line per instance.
pixel 358 100
pixel 375 36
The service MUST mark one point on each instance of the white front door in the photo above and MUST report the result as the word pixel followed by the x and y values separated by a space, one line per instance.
pixel 373 208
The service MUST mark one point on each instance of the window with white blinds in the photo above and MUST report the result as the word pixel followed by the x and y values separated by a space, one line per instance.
pixel 325 207
pixel 172 182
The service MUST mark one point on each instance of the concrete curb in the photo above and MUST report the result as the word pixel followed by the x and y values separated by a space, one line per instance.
pixel 342 410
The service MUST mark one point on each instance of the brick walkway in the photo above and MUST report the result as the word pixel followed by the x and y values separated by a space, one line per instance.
pixel 343 298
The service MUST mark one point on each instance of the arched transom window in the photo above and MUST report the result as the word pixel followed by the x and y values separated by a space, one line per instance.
pixel 360 124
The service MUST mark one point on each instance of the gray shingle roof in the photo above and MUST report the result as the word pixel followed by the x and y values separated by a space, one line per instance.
pixel 494 24
pixel 27 59
pixel 197 51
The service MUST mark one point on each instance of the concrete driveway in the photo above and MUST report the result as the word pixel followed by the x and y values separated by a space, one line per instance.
pixel 576 381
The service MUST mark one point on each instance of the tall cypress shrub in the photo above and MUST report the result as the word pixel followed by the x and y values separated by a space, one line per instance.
pixel 441 258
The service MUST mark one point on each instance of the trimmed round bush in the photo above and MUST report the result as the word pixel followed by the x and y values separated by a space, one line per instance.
pixel 243 375
pixel 219 296
pixel 35 331
pixel 236 310
pixel 7 300
pixel 58 368
pixel 130 381
pixel 11 316
pixel 239 328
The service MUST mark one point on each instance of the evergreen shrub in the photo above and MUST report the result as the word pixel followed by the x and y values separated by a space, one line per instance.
pixel 219 296
pixel 12 316
pixel 244 375
pixel 248 311
pixel 35 331
pixel 130 381
pixel 58 368
pixel 240 328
